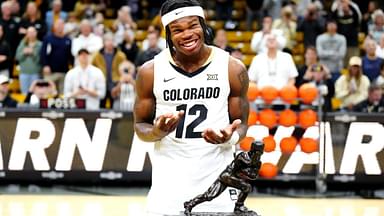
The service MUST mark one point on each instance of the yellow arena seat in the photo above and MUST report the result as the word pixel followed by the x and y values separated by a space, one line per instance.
pixel 215 24
pixel 239 36
pixel 18 97
pixel 14 86
pixel 247 59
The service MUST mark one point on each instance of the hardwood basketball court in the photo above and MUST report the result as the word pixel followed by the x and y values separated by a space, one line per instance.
pixel 132 205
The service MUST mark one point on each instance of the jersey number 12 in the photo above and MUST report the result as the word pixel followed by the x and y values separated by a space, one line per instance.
pixel 190 133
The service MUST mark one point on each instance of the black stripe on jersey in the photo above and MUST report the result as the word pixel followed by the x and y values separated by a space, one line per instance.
pixel 185 73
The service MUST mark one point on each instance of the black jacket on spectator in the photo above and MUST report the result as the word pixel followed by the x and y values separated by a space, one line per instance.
pixel 348 25
pixel 8 102
pixel 368 107
pixel 11 33
pixel 56 53
pixel 311 28
pixel 255 5
pixel 5 50
pixel 132 52
pixel 38 24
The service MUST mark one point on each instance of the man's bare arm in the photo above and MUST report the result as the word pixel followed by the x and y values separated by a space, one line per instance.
pixel 238 104
pixel 147 127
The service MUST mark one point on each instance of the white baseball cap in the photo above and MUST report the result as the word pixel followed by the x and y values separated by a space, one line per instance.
pixel 4 79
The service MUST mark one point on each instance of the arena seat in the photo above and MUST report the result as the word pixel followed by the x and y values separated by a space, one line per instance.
pixel 299 37
pixel 239 36
pixel 14 86
pixel 298 59
pixel 361 37
pixel 18 97
pixel 143 23
pixel 244 47
pixel 215 24
pixel 243 26
pixel 247 59
pixel 298 49
pixel 336 103
pixel 108 23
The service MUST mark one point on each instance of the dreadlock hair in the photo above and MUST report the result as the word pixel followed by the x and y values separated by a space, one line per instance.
pixel 171 5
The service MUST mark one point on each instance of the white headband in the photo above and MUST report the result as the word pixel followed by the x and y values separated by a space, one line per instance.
pixel 182 12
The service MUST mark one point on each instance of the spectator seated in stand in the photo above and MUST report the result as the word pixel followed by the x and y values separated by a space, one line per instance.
pixel 31 17
pixel 161 43
pixel 123 23
pixel 374 102
pixel 312 25
pixel 287 24
pixel 124 92
pixel 259 40
pixel 153 49
pixel 28 56
pixel 352 88
pixel 40 89
pixel 129 46
pixel 221 40
pixel 347 15
pixel 10 26
pixel 376 28
pixel 371 62
pixel 273 68
pixel 86 40
pixel 56 56
pixel 320 76
pixel 6 60
pixel 5 100
pixel 55 14
pixel 108 60
pixel 85 81
pixel 331 48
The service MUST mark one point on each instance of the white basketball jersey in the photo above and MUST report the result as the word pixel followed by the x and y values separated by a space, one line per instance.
pixel 184 165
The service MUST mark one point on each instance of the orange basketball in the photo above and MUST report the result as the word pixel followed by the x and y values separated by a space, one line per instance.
pixel 288 145
pixel 246 143
pixel 269 143
pixel 268 170
pixel 252 118
pixel 268 118
pixel 288 93
pixel 309 145
pixel 287 118
pixel 307 93
pixel 269 93
pixel 253 91
pixel 307 118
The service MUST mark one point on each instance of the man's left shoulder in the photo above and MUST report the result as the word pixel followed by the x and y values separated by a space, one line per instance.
pixel 236 65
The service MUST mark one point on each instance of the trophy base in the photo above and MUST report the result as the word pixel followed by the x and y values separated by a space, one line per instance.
pixel 249 213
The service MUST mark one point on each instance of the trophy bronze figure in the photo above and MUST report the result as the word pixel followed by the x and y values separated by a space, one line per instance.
pixel 238 174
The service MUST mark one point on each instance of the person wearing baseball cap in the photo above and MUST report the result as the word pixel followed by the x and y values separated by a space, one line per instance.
pixel 85 81
pixel 5 100
pixel 352 88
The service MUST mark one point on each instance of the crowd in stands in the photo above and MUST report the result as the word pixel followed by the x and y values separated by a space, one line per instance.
pixel 91 49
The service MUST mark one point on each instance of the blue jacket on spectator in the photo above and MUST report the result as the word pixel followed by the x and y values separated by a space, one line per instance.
pixel 56 53
pixel 371 67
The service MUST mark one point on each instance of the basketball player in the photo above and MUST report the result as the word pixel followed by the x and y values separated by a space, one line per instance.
pixel 191 101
